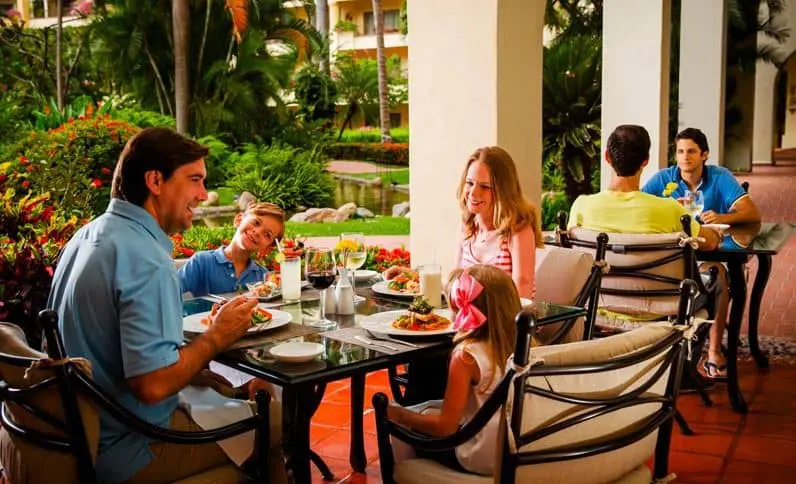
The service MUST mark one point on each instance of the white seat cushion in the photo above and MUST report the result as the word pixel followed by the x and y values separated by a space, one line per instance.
pixel 560 276
pixel 426 471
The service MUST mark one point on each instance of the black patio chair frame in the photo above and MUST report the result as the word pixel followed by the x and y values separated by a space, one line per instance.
pixel 675 348
pixel 71 382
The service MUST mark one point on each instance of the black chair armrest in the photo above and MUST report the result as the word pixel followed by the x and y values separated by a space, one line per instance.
pixel 99 396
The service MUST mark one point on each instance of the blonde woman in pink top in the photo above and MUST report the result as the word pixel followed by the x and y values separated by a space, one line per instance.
pixel 499 226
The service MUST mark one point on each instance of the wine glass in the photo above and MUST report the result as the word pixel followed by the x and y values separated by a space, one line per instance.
pixel 320 272
pixel 355 258
pixel 694 202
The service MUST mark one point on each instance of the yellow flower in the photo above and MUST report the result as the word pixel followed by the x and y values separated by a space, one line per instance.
pixel 347 245
pixel 669 189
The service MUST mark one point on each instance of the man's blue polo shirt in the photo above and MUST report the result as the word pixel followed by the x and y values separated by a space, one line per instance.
pixel 210 272
pixel 119 305
pixel 719 187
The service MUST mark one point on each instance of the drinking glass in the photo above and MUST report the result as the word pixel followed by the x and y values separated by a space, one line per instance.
pixel 320 272
pixel 694 202
pixel 290 272
pixel 431 284
pixel 355 258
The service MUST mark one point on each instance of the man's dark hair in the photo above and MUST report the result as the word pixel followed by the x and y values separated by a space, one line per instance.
pixel 628 149
pixel 160 149
pixel 694 135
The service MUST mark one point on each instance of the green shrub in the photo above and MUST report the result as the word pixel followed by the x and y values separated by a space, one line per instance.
pixel 389 153
pixel 143 118
pixel 217 161
pixel 286 176
pixel 73 162
pixel 552 203
pixel 373 135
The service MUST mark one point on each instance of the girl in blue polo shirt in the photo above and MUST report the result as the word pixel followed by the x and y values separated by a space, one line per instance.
pixel 229 268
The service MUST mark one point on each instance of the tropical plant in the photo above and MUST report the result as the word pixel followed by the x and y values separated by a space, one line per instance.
pixel 572 108
pixel 381 61
pixel 142 118
pixel 316 93
pixel 216 161
pixel 366 134
pixel 51 116
pixel 389 153
pixel 288 177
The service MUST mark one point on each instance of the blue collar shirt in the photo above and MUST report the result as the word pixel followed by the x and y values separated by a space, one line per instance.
pixel 719 187
pixel 210 272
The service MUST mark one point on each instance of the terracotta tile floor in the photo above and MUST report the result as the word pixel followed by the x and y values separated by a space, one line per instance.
pixel 726 447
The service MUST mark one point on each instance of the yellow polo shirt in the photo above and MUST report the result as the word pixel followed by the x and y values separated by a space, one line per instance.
pixel 628 213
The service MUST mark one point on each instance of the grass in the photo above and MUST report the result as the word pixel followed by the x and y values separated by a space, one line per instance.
pixel 373 226
pixel 373 135
pixel 400 177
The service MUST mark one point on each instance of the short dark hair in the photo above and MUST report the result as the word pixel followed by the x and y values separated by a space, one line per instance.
pixel 695 135
pixel 160 149
pixel 628 148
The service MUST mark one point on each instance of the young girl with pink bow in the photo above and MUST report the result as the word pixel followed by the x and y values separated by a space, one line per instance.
pixel 485 301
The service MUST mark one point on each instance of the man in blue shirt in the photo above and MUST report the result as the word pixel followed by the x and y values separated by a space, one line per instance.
pixel 726 202
pixel 118 299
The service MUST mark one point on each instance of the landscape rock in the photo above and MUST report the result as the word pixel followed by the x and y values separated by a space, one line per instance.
pixel 299 217
pixel 212 200
pixel 407 215
pixel 400 209
pixel 245 199
pixel 315 215
pixel 346 211
pixel 363 212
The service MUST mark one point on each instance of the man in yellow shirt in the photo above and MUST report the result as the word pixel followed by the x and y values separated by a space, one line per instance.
pixel 624 208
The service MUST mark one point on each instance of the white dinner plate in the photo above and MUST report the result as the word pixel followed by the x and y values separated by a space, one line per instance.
pixel 297 351
pixel 364 275
pixel 381 288
pixel 382 323
pixel 717 227
pixel 193 323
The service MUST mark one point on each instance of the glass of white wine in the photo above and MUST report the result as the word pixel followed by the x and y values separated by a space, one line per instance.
pixel 355 258
pixel 694 202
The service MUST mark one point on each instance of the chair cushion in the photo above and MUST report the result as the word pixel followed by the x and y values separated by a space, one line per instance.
pixel 643 306
pixel 639 475
pixel 227 474
pixel 21 458
pixel 560 276
pixel 540 412
pixel 424 471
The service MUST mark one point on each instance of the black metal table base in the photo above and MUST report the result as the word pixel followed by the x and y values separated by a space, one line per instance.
pixel 761 280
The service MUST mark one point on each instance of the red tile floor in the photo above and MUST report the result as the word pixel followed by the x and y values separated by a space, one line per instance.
pixel 727 447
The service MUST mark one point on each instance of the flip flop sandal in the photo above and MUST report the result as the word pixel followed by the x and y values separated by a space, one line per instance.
pixel 714 371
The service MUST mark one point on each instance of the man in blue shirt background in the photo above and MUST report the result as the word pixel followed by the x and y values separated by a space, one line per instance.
pixel 726 202
pixel 118 299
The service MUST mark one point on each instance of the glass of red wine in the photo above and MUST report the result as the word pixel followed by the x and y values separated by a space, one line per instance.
pixel 320 268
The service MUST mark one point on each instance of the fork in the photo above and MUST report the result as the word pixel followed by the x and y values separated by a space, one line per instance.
pixel 362 339
pixel 387 338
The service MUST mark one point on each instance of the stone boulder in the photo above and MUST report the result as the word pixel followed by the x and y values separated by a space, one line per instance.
pixel 363 212
pixel 299 217
pixel 346 211
pixel 212 200
pixel 245 199
pixel 315 215
pixel 400 209
pixel 408 215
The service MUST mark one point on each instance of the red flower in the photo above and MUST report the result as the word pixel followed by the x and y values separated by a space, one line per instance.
pixel 25 184
pixel 3 178
pixel 105 171
pixel 96 183
pixel 23 160
pixel 30 168
pixel 186 251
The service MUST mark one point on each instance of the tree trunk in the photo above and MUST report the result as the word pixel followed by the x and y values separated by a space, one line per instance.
pixel 322 25
pixel 181 23
pixel 384 107
pixel 59 77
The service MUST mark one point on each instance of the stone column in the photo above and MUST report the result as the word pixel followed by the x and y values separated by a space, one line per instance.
pixel 475 79
pixel 635 79
pixel 765 131
pixel 703 66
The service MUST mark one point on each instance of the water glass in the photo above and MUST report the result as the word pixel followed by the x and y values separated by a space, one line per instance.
pixel 431 284
pixel 694 202
pixel 290 270
pixel 355 258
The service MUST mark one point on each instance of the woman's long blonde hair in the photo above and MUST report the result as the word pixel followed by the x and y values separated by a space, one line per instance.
pixel 512 211
pixel 500 303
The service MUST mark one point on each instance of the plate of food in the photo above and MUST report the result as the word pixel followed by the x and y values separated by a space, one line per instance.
pixel 262 320
pixel 405 284
pixel 264 291
pixel 419 320
pixel 720 228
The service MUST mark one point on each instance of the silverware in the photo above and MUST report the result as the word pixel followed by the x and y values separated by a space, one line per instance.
pixel 383 337
pixel 362 339
pixel 220 299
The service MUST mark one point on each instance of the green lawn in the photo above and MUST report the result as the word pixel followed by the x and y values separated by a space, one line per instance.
pixel 401 177
pixel 373 226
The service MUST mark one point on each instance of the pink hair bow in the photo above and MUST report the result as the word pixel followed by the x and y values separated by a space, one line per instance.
pixel 465 290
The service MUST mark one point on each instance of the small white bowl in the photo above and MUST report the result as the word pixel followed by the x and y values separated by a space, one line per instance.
pixel 297 351
pixel 364 275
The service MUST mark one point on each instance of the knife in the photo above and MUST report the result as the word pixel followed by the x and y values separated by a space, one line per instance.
pixel 369 342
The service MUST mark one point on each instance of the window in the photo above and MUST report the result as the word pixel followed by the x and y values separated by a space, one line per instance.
pixel 395 120
pixel 391 19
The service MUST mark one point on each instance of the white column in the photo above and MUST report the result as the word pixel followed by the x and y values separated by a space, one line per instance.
pixel 636 74
pixel 474 80
pixel 703 40
pixel 764 126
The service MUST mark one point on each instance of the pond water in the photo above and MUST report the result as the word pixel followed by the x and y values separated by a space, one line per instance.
pixel 378 200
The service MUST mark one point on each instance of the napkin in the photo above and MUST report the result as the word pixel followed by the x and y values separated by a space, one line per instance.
pixel 210 410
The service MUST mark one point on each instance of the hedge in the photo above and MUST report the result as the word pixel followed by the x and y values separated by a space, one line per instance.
pixel 389 153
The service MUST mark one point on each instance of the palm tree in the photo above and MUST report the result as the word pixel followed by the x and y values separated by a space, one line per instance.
pixel 384 107
pixel 357 85
pixel 322 25
pixel 181 21
pixel 59 78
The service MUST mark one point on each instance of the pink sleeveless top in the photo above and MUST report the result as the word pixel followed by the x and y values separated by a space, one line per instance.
pixel 501 260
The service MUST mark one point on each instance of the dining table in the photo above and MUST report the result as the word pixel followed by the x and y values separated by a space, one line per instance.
pixel 345 355
pixel 738 245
